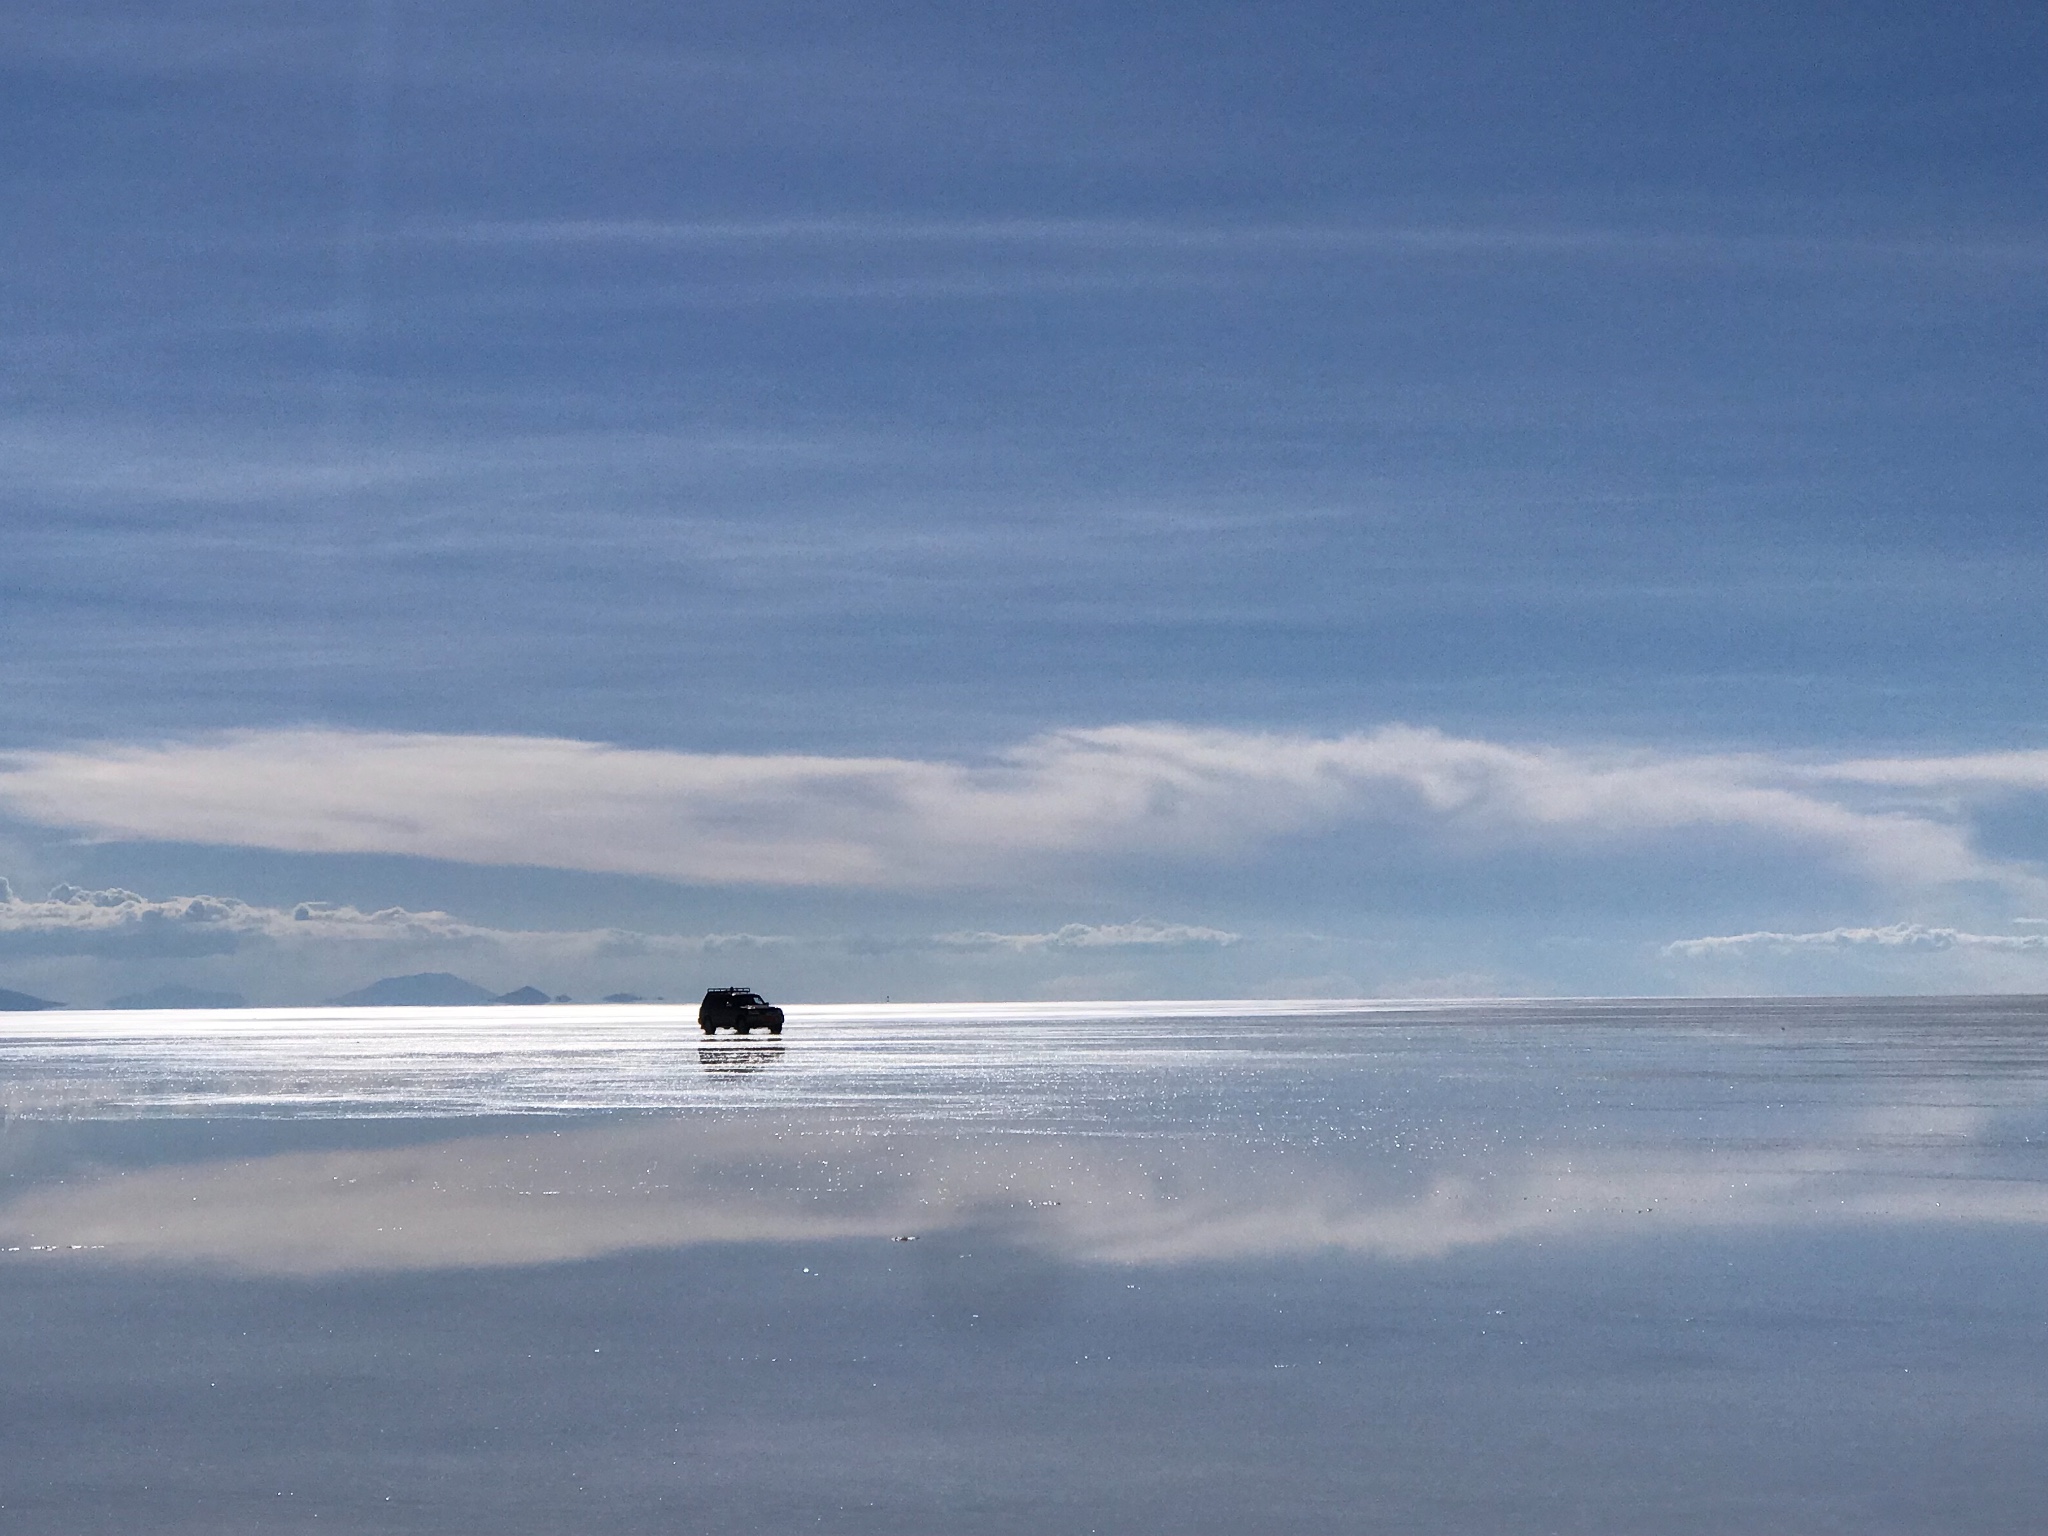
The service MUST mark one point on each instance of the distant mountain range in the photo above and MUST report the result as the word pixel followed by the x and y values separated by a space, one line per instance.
pixel 433 989
pixel 22 1002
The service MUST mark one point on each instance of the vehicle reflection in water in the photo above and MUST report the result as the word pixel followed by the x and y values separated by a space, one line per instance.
pixel 725 1059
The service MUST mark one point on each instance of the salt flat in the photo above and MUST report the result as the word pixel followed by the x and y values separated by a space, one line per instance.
pixel 1525 1266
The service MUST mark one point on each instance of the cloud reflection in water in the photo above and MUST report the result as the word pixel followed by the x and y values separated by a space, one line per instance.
pixel 1179 1136
pixel 537 1197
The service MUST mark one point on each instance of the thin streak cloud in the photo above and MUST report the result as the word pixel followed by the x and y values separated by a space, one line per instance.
pixel 1108 236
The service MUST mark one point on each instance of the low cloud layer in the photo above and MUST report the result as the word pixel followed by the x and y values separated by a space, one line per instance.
pixel 1065 799
pixel 116 923
pixel 313 949
pixel 122 923
pixel 1889 957
pixel 1896 938
pixel 1143 934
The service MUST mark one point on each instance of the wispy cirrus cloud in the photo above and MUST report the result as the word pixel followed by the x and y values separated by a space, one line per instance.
pixel 115 461
pixel 1129 793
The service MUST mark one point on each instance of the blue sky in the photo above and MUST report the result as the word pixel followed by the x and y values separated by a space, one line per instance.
pixel 1291 498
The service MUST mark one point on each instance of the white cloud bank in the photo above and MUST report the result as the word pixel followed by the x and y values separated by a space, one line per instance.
pixel 1120 792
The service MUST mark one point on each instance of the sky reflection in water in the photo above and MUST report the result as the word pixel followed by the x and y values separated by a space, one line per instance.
pixel 1601 1266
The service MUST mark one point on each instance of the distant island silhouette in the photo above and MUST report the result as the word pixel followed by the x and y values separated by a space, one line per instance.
pixel 23 1002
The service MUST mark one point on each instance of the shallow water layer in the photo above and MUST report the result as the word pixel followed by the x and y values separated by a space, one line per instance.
pixel 1688 1266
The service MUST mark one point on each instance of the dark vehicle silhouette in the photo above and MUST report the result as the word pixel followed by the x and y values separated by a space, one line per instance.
pixel 739 1010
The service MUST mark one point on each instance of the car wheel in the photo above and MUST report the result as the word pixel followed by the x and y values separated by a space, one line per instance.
pixel 710 1029
pixel 774 1029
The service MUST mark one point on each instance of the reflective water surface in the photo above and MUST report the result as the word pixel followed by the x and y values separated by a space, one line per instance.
pixel 1693 1266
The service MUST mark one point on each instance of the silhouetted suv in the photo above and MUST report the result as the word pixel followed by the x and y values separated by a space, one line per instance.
pixel 739 1010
